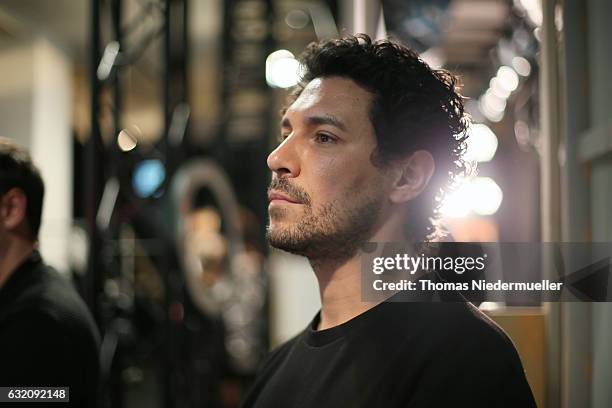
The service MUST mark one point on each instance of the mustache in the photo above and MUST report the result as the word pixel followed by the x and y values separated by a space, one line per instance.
pixel 295 193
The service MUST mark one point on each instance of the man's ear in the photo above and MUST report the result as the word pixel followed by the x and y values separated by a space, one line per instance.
pixel 414 174
pixel 13 207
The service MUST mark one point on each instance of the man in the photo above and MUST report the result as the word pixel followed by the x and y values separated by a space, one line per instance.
pixel 47 335
pixel 370 138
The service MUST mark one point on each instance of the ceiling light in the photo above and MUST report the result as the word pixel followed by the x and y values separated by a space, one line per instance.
pixel 521 66
pixel 480 195
pixel 282 69
pixel 481 143
pixel 507 78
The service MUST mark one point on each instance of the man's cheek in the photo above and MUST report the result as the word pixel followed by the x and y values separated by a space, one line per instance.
pixel 362 183
pixel 324 165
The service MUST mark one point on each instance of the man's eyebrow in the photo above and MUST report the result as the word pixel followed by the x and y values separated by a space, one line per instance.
pixel 326 120
pixel 317 120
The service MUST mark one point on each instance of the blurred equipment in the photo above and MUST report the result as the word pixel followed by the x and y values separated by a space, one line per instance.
pixel 173 330
pixel 224 278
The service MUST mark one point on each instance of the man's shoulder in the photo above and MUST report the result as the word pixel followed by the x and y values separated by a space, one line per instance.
pixel 268 367
pixel 47 335
pixel 50 299
pixel 461 316
pixel 278 354
pixel 469 322
pixel 460 347
pixel 455 325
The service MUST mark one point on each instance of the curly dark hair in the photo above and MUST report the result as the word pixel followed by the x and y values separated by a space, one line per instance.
pixel 414 108
pixel 18 171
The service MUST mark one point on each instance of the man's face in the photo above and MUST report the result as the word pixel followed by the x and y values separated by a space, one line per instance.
pixel 325 196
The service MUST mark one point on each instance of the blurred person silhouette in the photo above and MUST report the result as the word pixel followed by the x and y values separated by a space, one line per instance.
pixel 370 136
pixel 47 335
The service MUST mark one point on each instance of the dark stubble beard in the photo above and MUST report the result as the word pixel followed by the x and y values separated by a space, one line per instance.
pixel 332 232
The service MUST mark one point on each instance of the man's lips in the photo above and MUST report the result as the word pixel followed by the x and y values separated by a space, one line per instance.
pixel 280 197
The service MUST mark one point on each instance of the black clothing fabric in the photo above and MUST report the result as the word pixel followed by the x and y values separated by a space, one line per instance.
pixel 47 335
pixel 397 354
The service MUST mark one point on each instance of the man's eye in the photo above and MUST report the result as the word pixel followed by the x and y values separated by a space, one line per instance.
pixel 324 138
pixel 283 136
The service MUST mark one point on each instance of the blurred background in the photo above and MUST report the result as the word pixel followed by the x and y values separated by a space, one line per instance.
pixel 151 121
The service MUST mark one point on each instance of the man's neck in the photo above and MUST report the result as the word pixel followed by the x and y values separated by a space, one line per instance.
pixel 340 290
pixel 340 282
pixel 12 256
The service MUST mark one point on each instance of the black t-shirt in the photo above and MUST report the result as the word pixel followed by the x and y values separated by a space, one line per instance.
pixel 397 354
pixel 47 335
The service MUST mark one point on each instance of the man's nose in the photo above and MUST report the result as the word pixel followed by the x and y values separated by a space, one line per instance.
pixel 284 160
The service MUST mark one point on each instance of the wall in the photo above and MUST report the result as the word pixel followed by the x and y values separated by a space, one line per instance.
pixel 35 110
